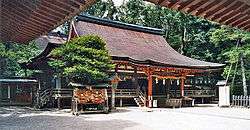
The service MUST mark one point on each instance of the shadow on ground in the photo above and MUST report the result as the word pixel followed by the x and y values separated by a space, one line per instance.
pixel 23 118
pixel 63 123
pixel 26 110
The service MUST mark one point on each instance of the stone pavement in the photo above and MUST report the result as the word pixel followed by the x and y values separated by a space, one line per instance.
pixel 131 118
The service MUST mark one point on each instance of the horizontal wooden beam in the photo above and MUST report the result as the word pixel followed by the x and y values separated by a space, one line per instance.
pixel 240 21
pixel 15 21
pixel 40 11
pixel 187 4
pixel 243 24
pixel 56 5
pixel 228 4
pixel 204 5
pixel 25 18
pixel 174 4
pixel 246 27
pixel 30 19
pixel 195 6
pixel 233 13
pixel 234 6
pixel 240 13
pixel 26 11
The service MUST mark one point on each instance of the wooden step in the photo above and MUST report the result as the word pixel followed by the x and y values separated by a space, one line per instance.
pixel 139 102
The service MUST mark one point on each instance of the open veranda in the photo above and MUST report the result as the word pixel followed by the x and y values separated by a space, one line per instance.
pixel 128 118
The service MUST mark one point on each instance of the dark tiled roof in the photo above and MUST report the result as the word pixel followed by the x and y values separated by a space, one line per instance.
pixel 47 43
pixel 137 44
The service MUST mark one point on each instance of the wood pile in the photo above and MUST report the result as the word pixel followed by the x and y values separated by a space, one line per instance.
pixel 90 96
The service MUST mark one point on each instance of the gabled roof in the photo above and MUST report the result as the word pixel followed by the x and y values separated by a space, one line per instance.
pixel 47 43
pixel 136 44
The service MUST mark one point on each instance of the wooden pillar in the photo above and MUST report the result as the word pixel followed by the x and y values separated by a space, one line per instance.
pixel 120 102
pixel 113 89
pixel 150 90
pixel 58 103
pixel 167 87
pixel 136 81
pixel 182 87
pixel 8 91
pixel 58 83
pixel 113 98
pixel 0 92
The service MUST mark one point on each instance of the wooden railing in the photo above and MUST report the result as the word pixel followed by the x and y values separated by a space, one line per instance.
pixel 195 93
pixel 240 101
pixel 62 93
pixel 124 93
pixel 142 96
pixel 43 97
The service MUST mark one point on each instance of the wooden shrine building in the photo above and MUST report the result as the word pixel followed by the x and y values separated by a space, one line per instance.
pixel 143 59
pixel 18 91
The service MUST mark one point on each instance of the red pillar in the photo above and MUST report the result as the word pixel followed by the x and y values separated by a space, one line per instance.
pixel 182 87
pixel 150 89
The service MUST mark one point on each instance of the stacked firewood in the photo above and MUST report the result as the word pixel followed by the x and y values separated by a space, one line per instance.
pixel 90 96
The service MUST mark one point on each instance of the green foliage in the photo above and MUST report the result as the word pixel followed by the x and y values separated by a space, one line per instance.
pixel 226 39
pixel 11 54
pixel 83 59
pixel 103 9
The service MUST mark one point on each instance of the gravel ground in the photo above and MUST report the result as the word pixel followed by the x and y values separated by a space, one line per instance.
pixel 131 118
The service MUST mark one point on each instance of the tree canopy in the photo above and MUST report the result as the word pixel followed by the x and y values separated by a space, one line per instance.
pixel 83 59
pixel 11 54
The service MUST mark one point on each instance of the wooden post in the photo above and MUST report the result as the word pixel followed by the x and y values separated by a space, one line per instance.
pixel 150 89
pixel 182 87
pixel 167 87
pixel 114 85
pixel 113 98
pixel 120 102
pixel 8 91
pixel 58 103
pixel 136 81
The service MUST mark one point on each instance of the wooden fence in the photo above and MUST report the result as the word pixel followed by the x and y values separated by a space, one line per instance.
pixel 240 101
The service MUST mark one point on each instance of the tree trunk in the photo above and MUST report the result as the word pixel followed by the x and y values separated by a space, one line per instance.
pixel 167 30
pixel 231 65
pixel 244 83
pixel 183 40
pixel 243 74
pixel 235 71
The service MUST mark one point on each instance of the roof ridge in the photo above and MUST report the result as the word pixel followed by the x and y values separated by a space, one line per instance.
pixel 118 24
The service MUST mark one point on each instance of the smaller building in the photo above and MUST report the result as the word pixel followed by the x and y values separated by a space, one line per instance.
pixel 18 91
